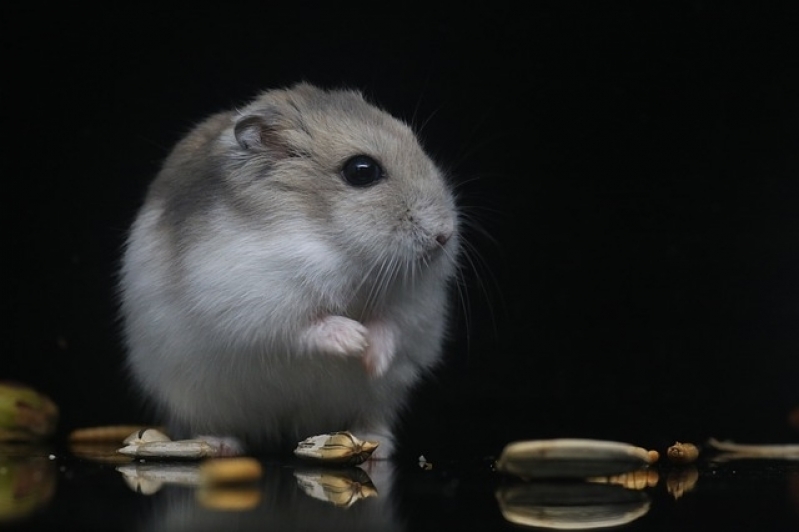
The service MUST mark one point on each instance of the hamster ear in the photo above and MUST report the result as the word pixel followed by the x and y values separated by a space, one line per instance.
pixel 253 133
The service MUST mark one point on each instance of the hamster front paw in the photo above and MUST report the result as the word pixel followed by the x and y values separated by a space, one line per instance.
pixel 336 335
pixel 381 349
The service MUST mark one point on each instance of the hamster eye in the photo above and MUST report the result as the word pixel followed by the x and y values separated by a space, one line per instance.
pixel 362 171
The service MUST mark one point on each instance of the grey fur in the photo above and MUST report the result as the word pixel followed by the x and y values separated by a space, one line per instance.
pixel 265 298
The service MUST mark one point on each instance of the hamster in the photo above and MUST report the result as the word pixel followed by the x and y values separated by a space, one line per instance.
pixel 289 273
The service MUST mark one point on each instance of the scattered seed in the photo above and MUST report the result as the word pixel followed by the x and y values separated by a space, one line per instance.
pixel 682 453
pixel 336 448
pixel 185 449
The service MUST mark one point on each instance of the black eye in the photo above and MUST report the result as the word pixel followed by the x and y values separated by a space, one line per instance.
pixel 362 171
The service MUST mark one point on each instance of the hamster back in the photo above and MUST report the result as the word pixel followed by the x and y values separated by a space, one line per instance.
pixel 289 272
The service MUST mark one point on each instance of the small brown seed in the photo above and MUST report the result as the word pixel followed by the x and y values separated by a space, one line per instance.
pixel 682 453
pixel 336 447
pixel 227 498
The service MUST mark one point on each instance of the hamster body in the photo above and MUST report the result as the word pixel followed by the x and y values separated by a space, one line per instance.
pixel 289 272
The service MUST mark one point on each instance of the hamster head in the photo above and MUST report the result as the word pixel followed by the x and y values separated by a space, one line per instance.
pixel 354 173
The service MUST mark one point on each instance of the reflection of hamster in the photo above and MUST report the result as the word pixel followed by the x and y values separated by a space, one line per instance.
pixel 288 273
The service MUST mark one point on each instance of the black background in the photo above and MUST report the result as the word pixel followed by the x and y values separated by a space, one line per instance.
pixel 634 167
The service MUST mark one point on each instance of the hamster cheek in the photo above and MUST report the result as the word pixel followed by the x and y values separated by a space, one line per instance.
pixel 381 349
pixel 335 335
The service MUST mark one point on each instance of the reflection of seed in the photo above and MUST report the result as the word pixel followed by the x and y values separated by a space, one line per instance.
pixel 230 470
pixel 681 481
pixel 682 453
pixel 635 480
pixel 148 478
pixel 229 498
pixel 570 505
pixel 341 487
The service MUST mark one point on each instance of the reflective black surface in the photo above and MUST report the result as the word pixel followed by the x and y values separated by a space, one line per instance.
pixel 48 489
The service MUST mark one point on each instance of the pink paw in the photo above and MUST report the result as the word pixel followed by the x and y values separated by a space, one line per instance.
pixel 381 350
pixel 336 335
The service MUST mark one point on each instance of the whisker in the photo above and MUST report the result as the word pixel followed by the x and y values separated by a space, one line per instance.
pixel 386 273
pixel 420 129
pixel 474 271
pixel 375 290
pixel 366 278
pixel 465 305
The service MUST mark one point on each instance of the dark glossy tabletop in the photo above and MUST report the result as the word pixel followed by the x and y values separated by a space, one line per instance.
pixel 49 489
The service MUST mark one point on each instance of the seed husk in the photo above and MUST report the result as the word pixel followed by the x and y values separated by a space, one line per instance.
pixel 336 448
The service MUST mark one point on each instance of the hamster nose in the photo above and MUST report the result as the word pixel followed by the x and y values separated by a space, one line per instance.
pixel 443 238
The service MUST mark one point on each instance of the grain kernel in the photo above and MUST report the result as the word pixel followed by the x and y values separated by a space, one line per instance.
pixel 682 453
